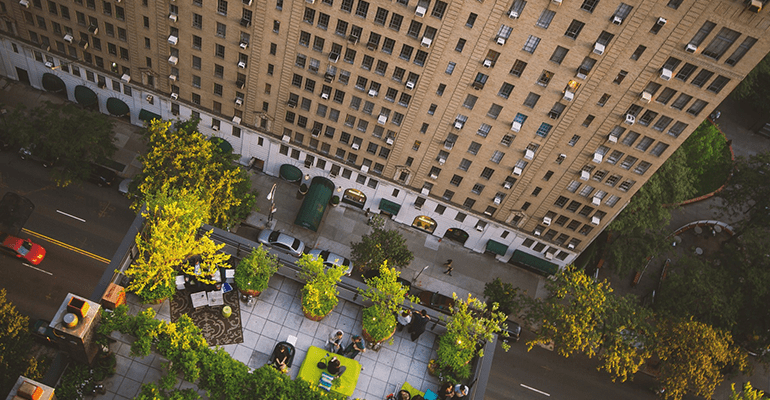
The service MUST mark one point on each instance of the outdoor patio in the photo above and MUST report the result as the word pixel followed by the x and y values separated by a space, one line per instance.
pixel 274 316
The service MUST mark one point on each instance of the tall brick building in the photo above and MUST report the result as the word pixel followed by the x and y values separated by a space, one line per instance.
pixel 516 127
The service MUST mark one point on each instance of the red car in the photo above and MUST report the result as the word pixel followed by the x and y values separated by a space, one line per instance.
pixel 22 248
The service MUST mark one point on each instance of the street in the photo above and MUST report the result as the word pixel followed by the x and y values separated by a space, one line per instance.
pixel 80 227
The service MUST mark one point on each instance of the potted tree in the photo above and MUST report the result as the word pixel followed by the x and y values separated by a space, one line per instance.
pixel 335 200
pixel 254 271
pixel 319 295
pixel 387 294
pixel 303 189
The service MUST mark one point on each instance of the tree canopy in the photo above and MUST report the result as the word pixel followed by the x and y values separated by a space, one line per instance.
pixel 748 193
pixel 181 157
pixel 75 136
pixel 747 393
pixel 753 87
pixel 15 341
pixel 379 247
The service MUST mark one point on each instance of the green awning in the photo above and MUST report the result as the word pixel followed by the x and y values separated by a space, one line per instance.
pixel 292 173
pixel 148 116
pixel 223 145
pixel 53 83
pixel 496 247
pixel 389 207
pixel 85 96
pixel 313 206
pixel 117 107
pixel 533 263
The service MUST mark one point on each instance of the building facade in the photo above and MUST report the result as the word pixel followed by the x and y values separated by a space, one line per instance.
pixel 519 127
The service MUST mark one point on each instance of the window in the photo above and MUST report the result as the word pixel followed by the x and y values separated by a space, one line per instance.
pixel 628 162
pixel 497 156
pixel 406 54
pixel 718 84
pixel 685 72
pixel 681 101
pixel 666 95
pixel 573 141
pixel 702 33
pixel 696 107
pixel 196 63
pixel 621 75
pixel 556 110
pixel 484 130
pixel 589 5
pixel 531 44
pixel 645 143
pixel 487 173
pixel 505 90
pixel 647 117
pixel 662 123
pixel 381 16
pixel 559 54
pixel 702 77
pixel 474 148
pixel 603 100
pixel 347 5
pixel 450 68
pixel 543 130
pixel 574 29
pixel 222 7
pixel 630 138
pixel 363 9
pixel 471 20
pixel 464 164
pixel 642 167
pixel 719 45
pixel 395 22
pixel 573 186
pixel 460 45
pixel 545 18
pixel 741 51
pixel 638 52
pixel 531 100
pixel 439 9
pixel 494 111
pixel 197 21
pixel 518 68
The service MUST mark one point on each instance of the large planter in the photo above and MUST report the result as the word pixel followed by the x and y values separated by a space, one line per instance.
pixel 313 317
pixel 252 293
pixel 370 340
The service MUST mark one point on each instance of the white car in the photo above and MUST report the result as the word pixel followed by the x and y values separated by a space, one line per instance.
pixel 332 259
pixel 281 241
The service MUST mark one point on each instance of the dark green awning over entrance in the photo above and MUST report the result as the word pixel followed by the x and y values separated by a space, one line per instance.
pixel 496 247
pixel 291 173
pixel 117 107
pixel 85 96
pixel 533 263
pixel 223 145
pixel 389 207
pixel 313 206
pixel 53 83
pixel 148 116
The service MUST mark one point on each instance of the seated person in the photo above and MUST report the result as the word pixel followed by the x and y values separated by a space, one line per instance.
pixel 461 390
pixel 335 368
pixel 403 395
pixel 281 357
pixel 446 391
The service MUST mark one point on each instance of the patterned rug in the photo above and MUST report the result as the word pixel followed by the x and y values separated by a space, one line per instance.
pixel 217 329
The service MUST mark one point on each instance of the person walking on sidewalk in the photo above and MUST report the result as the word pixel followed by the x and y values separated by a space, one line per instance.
pixel 419 322
pixel 448 265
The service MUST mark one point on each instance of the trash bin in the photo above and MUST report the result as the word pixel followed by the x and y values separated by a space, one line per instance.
pixel 227 311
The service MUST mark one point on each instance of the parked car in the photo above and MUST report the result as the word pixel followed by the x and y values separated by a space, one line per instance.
pixel 281 241
pixel 22 248
pixel 29 152
pixel 43 331
pixel 514 332
pixel 102 176
pixel 125 186
pixel 436 301
pixel 332 259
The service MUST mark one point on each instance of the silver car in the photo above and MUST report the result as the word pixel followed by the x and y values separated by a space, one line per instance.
pixel 332 260
pixel 281 241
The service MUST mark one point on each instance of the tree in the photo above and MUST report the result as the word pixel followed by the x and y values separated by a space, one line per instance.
pixel 319 295
pixel 505 295
pixel 471 323
pixel 627 337
pixel 693 357
pixel 166 243
pixel 381 246
pixel 747 393
pixel 75 136
pixel 15 341
pixel 183 158
pixel 752 87
pixel 748 193
pixel 387 294
pixel 704 149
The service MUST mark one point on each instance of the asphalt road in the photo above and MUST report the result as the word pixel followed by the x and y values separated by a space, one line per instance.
pixel 542 374
pixel 80 227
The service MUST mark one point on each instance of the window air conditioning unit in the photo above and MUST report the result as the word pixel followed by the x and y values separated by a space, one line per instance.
pixel 126 78
pixel 93 29
pixel 364 169
pixel 410 85
pixel 630 119
pixel 334 57
pixel 568 95
pixel 420 11
pixel 617 20
pixel 173 17
pixel 237 120
pixel 529 154
pixel 570 246
pixel 646 96
pixel 661 21
pixel 501 41
pixel 238 101
pixel 372 93
pixel 547 221
pixel 580 75
pixel 425 191
pixel 596 220
pixel 310 1
pixel 68 38
pixel 516 171
pixel 353 39
pixel 458 125
pixel 49 64
pixel 549 256
pixel 755 5
pixel 248 2
pixel 433 176
pixel 243 45
pixel 665 74
pixel 215 128
pixel 355 146
pixel 513 14
pixel 557 2
pixel 241 64
pixel 426 42
pixel 172 40
pixel 516 126
pixel 382 119
pixel 487 63
pixel 172 77
pixel 174 96
pixel 507 185
pixel 537 232
pixel 596 201
pixel 599 48
pixel 480 228
pixel 612 138
pixel 24 3
pixel 584 175
pixel 173 60
pixel 149 98
pixel 389 141
pixel 598 158
pixel 441 160
pixel 286 138
pixel 325 96
pixel 497 200
pixel 690 48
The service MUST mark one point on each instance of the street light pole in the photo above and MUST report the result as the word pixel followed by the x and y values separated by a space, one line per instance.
pixel 420 273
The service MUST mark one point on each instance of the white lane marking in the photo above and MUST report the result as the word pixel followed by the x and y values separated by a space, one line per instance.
pixel 36 268
pixel 535 390
pixel 70 215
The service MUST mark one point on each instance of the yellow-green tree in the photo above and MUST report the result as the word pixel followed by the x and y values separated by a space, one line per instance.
pixel 387 294
pixel 180 157
pixel 627 337
pixel 15 343
pixel 168 240
pixel 319 295
pixel 748 393
pixel 693 357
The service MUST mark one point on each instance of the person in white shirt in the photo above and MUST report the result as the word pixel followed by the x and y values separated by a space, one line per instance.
pixel 404 318
pixel 334 344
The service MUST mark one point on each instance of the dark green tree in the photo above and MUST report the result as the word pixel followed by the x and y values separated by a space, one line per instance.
pixel 381 246
pixel 504 294
pixel 753 87
pixel 747 195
